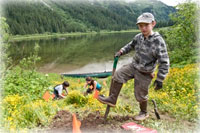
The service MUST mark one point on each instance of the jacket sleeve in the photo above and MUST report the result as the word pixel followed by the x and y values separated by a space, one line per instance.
pixel 163 60
pixel 128 47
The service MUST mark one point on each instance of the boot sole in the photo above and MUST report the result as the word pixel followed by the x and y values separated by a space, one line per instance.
pixel 110 104
pixel 141 119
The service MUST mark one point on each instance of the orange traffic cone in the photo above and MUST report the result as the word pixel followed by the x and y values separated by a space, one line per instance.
pixel 76 125
pixel 53 95
pixel 46 96
pixel 96 94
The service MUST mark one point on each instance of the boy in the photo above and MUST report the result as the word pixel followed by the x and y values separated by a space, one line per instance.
pixel 150 49
pixel 59 88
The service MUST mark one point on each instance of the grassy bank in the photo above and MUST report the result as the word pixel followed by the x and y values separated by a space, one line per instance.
pixel 176 102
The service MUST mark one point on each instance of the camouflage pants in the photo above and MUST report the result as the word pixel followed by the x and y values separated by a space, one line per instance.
pixel 141 80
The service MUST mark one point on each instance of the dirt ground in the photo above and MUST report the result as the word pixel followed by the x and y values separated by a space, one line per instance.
pixel 61 122
pixel 93 122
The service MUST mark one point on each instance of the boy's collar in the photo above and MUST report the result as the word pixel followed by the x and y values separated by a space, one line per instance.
pixel 152 33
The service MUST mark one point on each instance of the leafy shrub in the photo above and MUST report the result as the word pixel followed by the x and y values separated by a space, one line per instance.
pixel 24 79
pixel 182 37
pixel 75 97
pixel 25 82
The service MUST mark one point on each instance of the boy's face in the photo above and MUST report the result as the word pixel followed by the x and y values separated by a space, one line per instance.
pixel 146 28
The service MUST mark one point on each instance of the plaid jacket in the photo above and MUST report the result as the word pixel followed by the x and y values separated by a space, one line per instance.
pixel 149 52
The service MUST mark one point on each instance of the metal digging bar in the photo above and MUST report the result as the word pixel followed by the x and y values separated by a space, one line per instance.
pixel 113 71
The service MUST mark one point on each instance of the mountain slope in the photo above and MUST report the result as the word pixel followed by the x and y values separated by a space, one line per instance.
pixel 80 16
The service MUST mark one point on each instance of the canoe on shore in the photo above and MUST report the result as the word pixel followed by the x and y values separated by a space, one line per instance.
pixel 83 75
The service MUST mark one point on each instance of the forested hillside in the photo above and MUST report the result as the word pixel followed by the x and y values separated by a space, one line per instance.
pixel 56 16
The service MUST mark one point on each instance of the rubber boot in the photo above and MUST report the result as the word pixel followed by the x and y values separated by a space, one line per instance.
pixel 143 112
pixel 112 99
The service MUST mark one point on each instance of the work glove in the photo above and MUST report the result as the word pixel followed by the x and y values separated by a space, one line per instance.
pixel 101 95
pixel 118 54
pixel 158 85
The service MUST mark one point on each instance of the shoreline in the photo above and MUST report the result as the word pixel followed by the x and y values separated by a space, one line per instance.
pixel 50 35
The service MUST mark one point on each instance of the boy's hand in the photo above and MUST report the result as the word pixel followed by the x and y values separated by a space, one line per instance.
pixel 158 85
pixel 152 75
pixel 118 54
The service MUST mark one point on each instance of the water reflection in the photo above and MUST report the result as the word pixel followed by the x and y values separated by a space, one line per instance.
pixel 87 53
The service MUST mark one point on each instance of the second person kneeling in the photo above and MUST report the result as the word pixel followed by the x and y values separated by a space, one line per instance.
pixel 92 85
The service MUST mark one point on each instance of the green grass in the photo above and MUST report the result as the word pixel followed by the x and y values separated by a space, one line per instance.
pixel 176 116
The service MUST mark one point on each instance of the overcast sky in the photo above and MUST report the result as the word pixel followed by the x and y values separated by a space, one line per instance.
pixel 170 2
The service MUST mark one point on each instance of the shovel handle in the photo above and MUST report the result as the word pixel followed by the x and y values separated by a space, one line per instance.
pixel 113 71
pixel 115 63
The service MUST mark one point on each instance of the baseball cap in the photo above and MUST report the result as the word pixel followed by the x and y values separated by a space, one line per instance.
pixel 145 18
